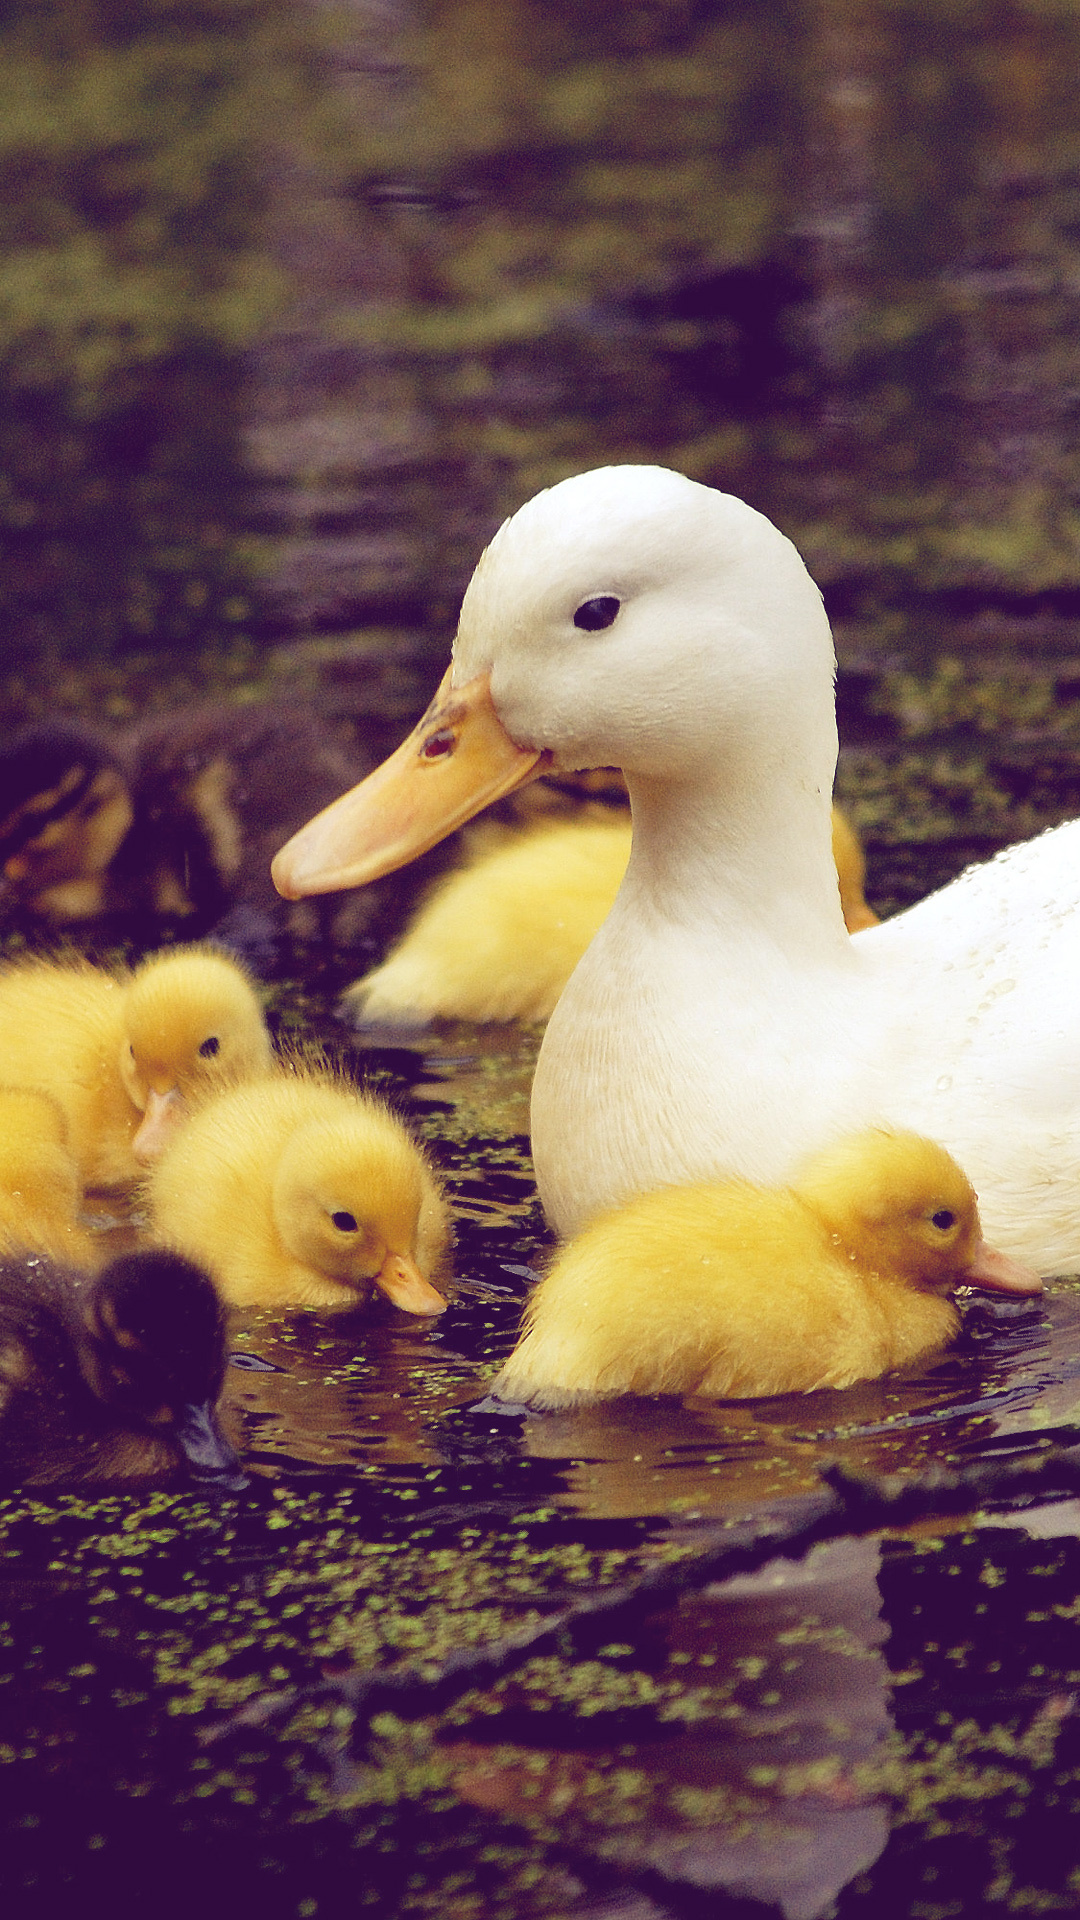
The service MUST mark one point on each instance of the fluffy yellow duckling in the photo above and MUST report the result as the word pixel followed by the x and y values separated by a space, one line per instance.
pixel 850 863
pixel 737 1291
pixel 40 1191
pixel 296 1190
pixel 121 1052
pixel 499 938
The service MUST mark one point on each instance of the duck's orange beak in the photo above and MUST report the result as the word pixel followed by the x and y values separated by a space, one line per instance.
pixel 162 1116
pixel 457 759
pixel 402 1282
pixel 999 1272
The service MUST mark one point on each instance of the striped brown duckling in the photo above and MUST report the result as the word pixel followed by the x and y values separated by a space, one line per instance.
pixel 112 1378
pixel 174 818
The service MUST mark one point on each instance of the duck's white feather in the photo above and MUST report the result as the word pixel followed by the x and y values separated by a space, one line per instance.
pixel 719 1025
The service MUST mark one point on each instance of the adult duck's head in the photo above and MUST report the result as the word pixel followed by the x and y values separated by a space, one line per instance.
pixel 626 617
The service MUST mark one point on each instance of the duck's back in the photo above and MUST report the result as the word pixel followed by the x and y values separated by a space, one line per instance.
pixel 1000 948
pixel 40 1189
pixel 47 1413
pixel 983 1052
pixel 39 1207
pixel 53 1426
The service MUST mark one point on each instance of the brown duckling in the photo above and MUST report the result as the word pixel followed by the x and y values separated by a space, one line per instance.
pixel 175 818
pixel 121 1051
pixel 112 1378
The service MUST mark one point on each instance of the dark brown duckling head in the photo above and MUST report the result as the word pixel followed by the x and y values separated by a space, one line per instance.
pixel 112 1378
pixel 65 808
pixel 157 1356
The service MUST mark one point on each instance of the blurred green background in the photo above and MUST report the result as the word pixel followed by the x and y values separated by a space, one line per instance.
pixel 297 301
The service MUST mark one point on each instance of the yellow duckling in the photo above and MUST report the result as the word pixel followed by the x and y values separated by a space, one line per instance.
pixel 736 1291
pixel 296 1190
pixel 121 1052
pixel 40 1191
pixel 499 938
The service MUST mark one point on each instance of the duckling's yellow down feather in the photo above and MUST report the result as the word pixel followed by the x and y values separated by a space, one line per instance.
pixel 731 1290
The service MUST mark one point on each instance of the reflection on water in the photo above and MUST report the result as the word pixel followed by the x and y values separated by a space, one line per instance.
pixel 864 1729
pixel 793 1654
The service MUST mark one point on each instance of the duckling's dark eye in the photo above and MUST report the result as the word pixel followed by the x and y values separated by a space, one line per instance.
pixel 210 1047
pixel 594 614
pixel 344 1222
pixel 943 1219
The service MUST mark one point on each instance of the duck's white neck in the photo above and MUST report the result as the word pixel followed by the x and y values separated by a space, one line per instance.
pixel 749 855
pixel 696 1037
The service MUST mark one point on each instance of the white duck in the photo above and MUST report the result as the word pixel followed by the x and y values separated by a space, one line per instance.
pixel 632 617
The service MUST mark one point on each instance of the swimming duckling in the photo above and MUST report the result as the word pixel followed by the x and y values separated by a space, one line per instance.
pixel 65 809
pixel 296 1190
pixel 112 1378
pixel 173 818
pixel 121 1052
pixel 192 1022
pixel 40 1190
pixel 736 1291
pixel 499 938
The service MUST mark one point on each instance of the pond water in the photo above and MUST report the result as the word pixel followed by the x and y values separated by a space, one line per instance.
pixel 437 1657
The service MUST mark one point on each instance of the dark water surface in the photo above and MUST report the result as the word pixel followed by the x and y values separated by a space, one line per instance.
pixel 264 1701
pixel 824 256
pixel 885 1722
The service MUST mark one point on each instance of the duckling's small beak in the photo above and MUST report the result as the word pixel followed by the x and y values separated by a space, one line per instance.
pixel 457 759
pixel 402 1282
pixel 999 1272
pixel 206 1448
pixel 162 1116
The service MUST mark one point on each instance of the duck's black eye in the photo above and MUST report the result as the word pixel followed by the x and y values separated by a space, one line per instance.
pixel 594 614
pixel 210 1047
pixel 344 1222
pixel 943 1219
pixel 439 744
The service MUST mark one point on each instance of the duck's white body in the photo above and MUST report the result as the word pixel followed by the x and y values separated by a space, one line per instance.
pixel 681 1058
pixel 717 1025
